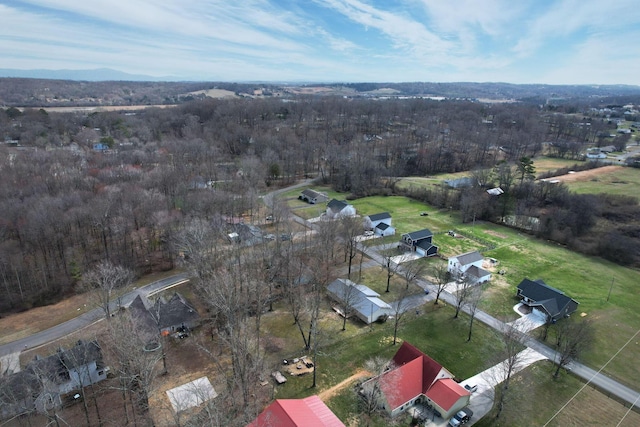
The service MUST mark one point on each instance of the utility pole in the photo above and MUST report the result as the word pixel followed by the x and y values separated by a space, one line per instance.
pixel 610 288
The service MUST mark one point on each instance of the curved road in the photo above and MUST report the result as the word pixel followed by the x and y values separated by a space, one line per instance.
pixel 87 318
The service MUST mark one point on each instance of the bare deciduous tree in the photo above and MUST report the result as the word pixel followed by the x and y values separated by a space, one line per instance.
pixel 573 336
pixel 400 308
pixel 509 357
pixel 370 394
pixel 462 293
pixel 441 277
pixel 105 279
pixel 473 301
pixel 350 229
pixel 390 267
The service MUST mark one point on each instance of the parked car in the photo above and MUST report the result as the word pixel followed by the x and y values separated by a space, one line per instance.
pixel 368 233
pixel 462 417
pixel 471 388
pixel 424 213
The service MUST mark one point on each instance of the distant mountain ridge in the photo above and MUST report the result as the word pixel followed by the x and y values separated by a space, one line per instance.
pixel 94 75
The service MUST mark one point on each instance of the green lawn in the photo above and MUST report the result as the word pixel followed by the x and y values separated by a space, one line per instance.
pixel 536 398
pixel 343 353
pixel 586 279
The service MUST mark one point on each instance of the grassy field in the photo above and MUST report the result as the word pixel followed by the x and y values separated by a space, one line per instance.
pixel 542 164
pixel 536 398
pixel 535 395
pixel 520 256
pixel 624 181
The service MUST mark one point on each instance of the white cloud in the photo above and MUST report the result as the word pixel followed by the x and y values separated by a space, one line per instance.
pixel 348 40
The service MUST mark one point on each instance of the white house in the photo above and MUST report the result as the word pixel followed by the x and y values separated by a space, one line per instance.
pixel 370 222
pixel 337 209
pixel 383 230
pixel 363 301
pixel 380 224
pixel 468 265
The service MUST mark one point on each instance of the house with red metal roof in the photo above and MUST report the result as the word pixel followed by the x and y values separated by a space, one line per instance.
pixel 308 412
pixel 415 378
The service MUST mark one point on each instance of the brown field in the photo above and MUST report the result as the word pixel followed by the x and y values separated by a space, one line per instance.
pixel 216 93
pixel 99 108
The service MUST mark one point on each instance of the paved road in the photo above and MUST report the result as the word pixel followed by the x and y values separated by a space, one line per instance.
pixel 601 381
pixel 85 319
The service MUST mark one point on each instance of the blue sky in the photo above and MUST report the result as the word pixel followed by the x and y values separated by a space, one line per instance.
pixel 521 41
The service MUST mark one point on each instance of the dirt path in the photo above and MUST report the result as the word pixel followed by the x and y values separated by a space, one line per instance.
pixel 329 393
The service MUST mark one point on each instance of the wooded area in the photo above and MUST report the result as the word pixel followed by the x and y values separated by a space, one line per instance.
pixel 81 188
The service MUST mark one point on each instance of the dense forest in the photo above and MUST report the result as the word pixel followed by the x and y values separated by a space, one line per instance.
pixel 80 188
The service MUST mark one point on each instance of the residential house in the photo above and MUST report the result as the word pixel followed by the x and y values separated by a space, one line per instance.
pixel 337 209
pixel 413 378
pixel 468 265
pixel 164 316
pixel 596 153
pixel 45 381
pixel 307 412
pixel 383 230
pixel 246 234
pixel 176 314
pixel 363 301
pixel 380 223
pixel 312 196
pixel 550 303
pixel 371 221
pixel 420 242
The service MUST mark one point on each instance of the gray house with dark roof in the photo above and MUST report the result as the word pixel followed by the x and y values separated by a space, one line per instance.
pixel 312 196
pixel 337 209
pixel 551 303
pixel 44 381
pixel 419 242
pixel 163 317
pixel 176 314
pixel 365 302
pixel 379 223
pixel 371 221
pixel 468 265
